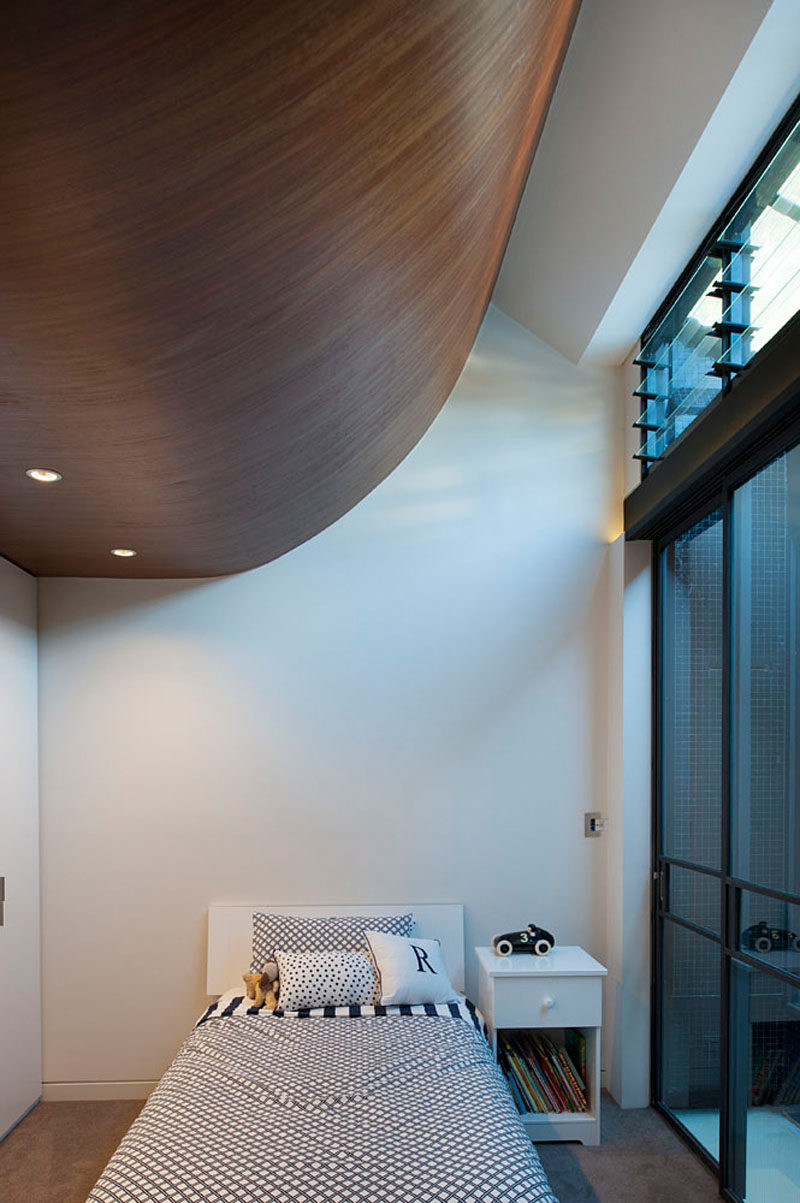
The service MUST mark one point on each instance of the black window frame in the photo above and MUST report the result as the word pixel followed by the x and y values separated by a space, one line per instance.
pixel 711 246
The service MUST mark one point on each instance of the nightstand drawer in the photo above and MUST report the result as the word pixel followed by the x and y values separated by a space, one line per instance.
pixel 547 1002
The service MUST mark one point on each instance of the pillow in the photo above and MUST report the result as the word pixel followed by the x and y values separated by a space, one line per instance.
pixel 325 979
pixel 410 970
pixel 298 933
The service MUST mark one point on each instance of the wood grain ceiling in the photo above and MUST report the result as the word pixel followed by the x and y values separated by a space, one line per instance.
pixel 246 247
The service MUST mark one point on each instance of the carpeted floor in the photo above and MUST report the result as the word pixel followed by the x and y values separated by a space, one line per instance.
pixel 57 1153
pixel 640 1160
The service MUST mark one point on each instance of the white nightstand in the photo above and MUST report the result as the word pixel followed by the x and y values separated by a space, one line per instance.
pixel 558 991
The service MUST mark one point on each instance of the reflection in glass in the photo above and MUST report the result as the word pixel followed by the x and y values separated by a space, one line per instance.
pixel 766 621
pixel 766 1079
pixel 692 693
pixel 690 1015
pixel 770 931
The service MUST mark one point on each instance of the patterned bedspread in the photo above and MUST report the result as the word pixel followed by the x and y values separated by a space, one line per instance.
pixel 351 1105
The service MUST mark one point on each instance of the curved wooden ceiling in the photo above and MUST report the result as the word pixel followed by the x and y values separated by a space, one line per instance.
pixel 246 248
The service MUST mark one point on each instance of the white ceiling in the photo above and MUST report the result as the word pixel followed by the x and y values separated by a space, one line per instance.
pixel 659 111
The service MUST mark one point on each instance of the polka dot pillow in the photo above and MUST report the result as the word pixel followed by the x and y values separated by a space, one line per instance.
pixel 302 933
pixel 325 979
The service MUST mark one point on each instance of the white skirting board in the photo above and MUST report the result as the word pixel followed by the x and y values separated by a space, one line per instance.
pixel 71 1092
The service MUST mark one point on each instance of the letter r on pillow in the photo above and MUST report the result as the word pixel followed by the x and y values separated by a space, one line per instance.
pixel 422 959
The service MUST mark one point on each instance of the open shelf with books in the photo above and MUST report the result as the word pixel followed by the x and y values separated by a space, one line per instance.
pixel 545 1073
pixel 548 1109
pixel 544 1016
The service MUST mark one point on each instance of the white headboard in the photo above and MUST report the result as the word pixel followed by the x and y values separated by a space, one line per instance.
pixel 230 934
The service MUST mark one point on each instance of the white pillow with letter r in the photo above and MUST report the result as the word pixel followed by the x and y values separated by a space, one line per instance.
pixel 410 969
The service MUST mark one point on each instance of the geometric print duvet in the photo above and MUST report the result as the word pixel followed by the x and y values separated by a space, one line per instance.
pixel 339 1105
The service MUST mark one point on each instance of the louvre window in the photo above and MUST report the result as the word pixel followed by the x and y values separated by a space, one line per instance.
pixel 738 292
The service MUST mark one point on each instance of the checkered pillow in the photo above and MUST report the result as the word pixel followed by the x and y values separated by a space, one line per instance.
pixel 326 979
pixel 337 933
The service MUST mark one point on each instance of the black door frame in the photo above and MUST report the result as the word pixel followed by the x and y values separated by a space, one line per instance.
pixel 734 1044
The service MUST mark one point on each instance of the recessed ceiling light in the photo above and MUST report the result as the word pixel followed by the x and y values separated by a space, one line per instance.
pixel 44 474
pixel 125 552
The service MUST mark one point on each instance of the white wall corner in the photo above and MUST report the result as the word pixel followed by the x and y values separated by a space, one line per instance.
pixel 20 969
pixel 619 135
pixel 759 93
pixel 627 988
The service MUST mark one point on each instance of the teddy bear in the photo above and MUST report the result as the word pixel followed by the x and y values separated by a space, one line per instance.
pixel 263 987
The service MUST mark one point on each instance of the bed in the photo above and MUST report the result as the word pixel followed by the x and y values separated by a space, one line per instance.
pixel 342 1104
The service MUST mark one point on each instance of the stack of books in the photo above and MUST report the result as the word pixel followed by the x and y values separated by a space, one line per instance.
pixel 772 1083
pixel 789 1091
pixel 544 1076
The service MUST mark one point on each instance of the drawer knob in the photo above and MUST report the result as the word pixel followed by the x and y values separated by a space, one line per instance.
pixel 548 1003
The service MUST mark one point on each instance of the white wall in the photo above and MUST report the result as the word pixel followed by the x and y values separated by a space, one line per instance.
pixel 20 1016
pixel 412 705
pixel 627 987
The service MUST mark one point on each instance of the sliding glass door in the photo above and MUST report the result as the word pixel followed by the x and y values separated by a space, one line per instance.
pixel 765 832
pixel 727 983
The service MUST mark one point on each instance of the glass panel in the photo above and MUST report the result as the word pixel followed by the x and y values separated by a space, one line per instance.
pixel 770 931
pixel 765 1079
pixel 694 896
pixel 766 617
pixel 692 693
pixel 690 1007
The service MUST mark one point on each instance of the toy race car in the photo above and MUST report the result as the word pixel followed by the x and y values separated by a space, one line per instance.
pixel 763 938
pixel 534 940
